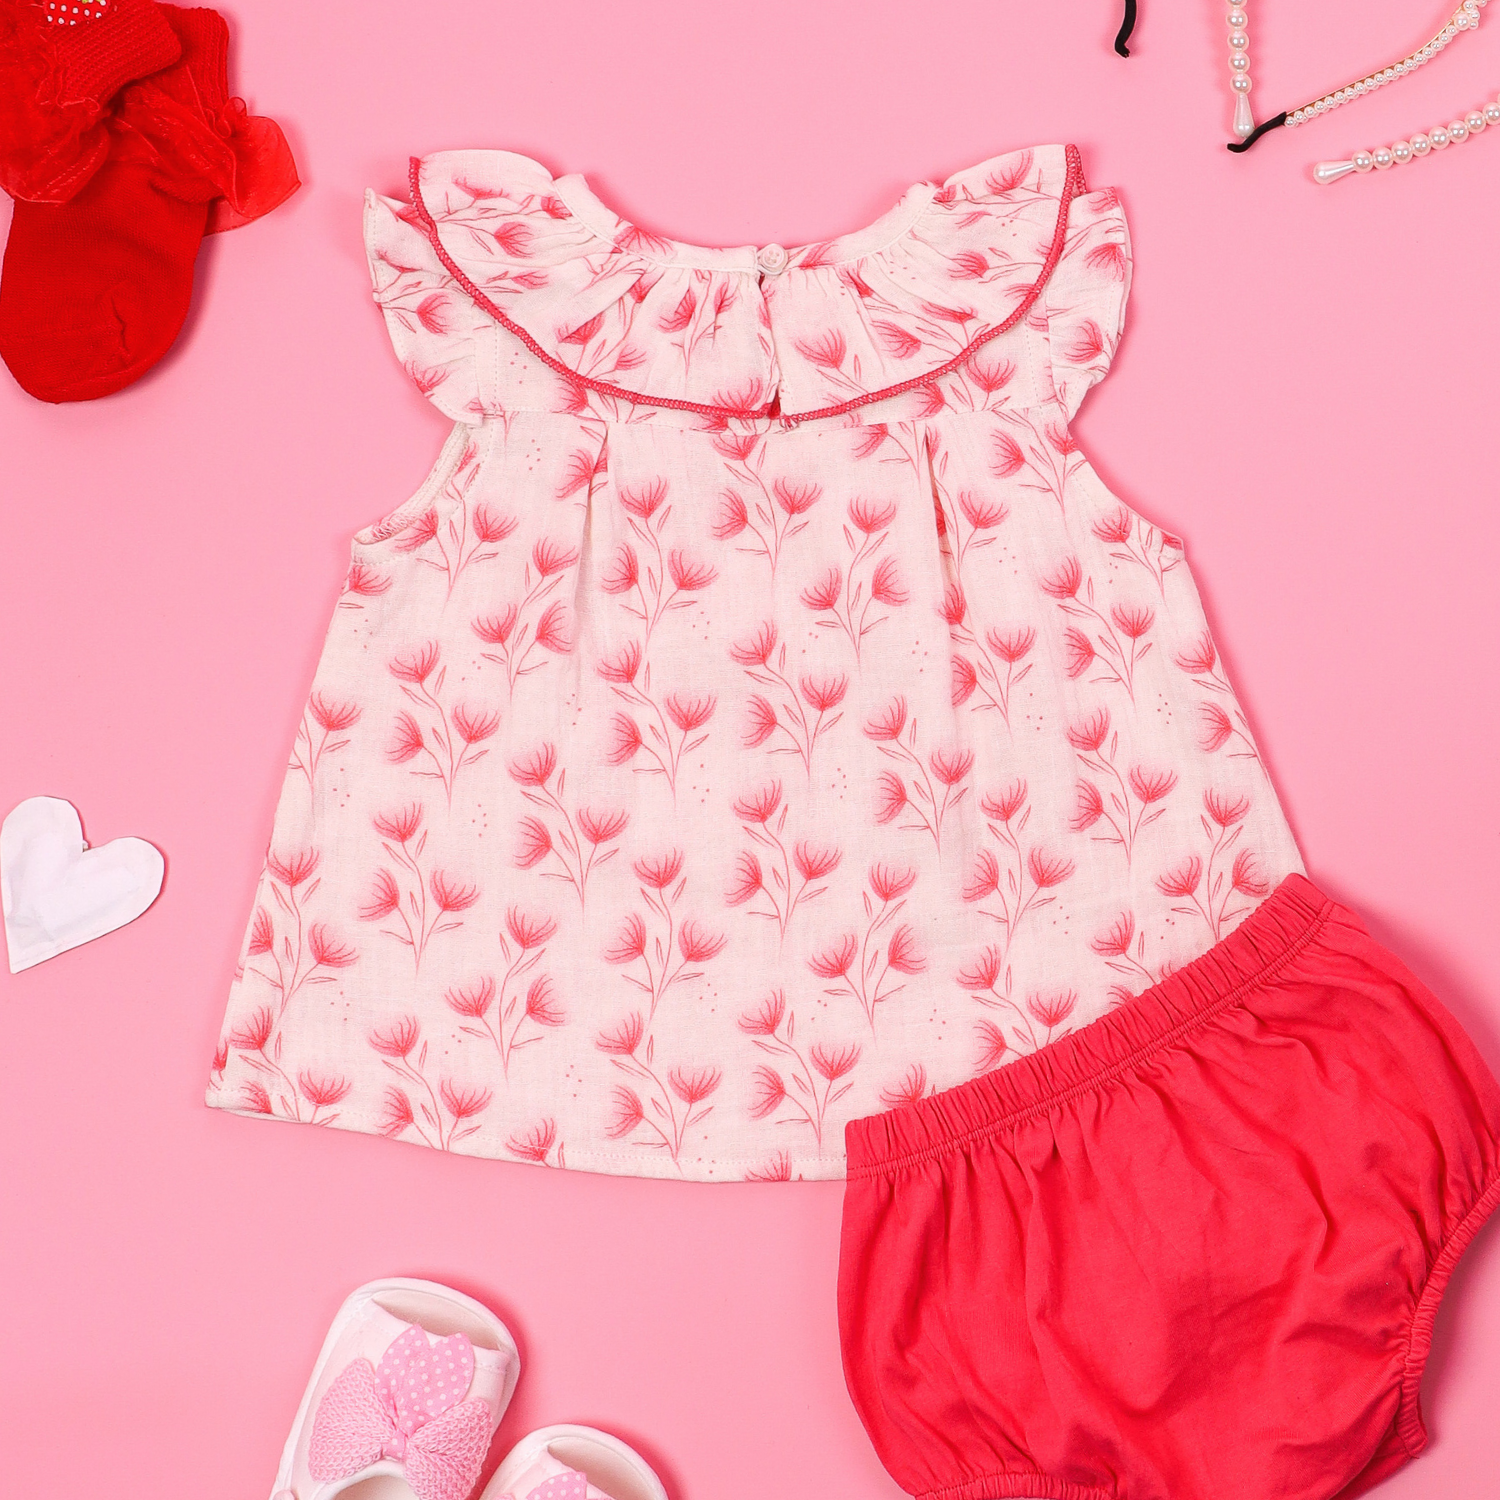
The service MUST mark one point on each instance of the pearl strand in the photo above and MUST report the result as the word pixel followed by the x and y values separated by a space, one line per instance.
pixel 1465 18
pixel 1398 153
pixel 1239 68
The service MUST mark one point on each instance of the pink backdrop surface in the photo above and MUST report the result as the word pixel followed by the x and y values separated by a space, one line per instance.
pixel 1305 392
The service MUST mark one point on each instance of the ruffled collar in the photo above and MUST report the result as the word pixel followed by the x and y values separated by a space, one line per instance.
pixel 812 332
pixel 614 231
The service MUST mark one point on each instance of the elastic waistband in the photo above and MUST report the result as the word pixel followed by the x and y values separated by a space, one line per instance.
pixel 1267 939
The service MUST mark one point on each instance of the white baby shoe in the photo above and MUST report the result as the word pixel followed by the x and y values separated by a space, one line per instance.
pixel 404 1399
pixel 573 1463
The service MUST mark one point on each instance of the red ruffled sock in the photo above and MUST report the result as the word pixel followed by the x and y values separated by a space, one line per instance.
pixel 61 63
pixel 94 291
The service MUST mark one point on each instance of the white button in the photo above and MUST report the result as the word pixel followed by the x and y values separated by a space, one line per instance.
pixel 772 260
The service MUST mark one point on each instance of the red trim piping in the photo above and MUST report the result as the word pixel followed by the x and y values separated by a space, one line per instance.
pixel 1073 185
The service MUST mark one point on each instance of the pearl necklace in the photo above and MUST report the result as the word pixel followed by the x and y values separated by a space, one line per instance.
pixel 1398 153
pixel 1239 68
pixel 1465 18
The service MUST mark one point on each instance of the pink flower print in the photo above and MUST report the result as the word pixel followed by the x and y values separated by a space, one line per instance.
pixel 461 537
pixel 1051 1010
pixel 673 952
pixel 1065 582
pixel 777 1168
pixel 677 1101
pixel 1115 643
pixel 450 741
pixel 579 842
pixel 535 1144
pixel 303 952
pixel 896 341
pixel 802 718
pixel 463 1104
pixel 992 1046
pixel 955 607
pixel 326 949
pixel 964 680
pixel 1016 889
pixel 912 1088
pixel 816 1075
pixel 1006 456
pixel 1132 540
pixel 580 472
pixel 670 579
pixel 363 582
pixel 846 599
pixel 293 870
pixel 926 791
pixel 999 662
pixel 864 965
pixel 1050 454
pixel 624 665
pixel 659 871
pixel 1246 878
pixel 988 376
pixel 1219 725
pixel 522 1004
pixel 1220 896
pixel 1135 799
pixel 795 869
pixel 1183 880
pixel 255 1099
pixel 1225 811
pixel 982 514
pixel 527 632
pixel 421 904
pixel 473 725
pixel 827 350
pixel 440 1115
pixel 1124 950
pixel 322 1091
pixel 258 1040
pixel 263 933
pixel 776 511
pixel 401 825
pixel 1218 728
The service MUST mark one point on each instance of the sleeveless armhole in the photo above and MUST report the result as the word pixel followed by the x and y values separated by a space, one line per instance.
pixel 442 340
pixel 1084 301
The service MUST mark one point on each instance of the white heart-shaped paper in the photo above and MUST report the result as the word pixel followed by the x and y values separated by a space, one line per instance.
pixel 57 892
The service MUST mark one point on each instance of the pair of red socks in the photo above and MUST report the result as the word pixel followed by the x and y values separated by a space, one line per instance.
pixel 122 147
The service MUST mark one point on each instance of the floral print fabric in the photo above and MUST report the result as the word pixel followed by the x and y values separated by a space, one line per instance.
pixel 763 715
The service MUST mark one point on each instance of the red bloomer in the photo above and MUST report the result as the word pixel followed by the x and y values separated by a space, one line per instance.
pixel 1191 1252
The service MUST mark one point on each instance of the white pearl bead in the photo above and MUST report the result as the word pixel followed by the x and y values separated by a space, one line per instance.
pixel 1238 40
pixel 1239 62
pixel 1238 19
pixel 1240 83
pixel 1438 136
pixel 1492 113
pixel 1475 120
pixel 1401 152
pixel 1382 158
pixel 1458 132
pixel 1363 161
pixel 1420 145
pixel 1331 171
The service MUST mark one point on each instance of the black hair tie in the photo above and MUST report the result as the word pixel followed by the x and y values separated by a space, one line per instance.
pixel 1127 25
pixel 1260 130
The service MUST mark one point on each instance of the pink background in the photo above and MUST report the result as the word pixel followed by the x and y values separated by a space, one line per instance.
pixel 1304 392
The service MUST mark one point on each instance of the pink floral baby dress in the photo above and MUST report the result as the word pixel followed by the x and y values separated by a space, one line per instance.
pixel 763 715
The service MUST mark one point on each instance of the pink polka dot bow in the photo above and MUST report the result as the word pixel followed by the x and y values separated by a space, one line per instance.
pixel 411 1410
